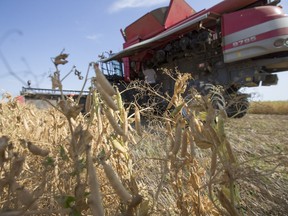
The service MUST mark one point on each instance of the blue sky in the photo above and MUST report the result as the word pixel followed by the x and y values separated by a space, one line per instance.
pixel 33 31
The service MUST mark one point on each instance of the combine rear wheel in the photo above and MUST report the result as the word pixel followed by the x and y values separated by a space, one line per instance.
pixel 237 106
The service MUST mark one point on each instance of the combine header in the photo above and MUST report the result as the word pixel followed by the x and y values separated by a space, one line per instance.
pixel 39 96
pixel 233 44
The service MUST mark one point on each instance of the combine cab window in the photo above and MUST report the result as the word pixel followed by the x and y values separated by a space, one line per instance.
pixel 113 70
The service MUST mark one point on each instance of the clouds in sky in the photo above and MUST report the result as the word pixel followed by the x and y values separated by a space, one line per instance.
pixel 94 36
pixel 123 4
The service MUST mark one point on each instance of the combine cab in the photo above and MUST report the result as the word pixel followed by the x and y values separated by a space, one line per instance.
pixel 233 44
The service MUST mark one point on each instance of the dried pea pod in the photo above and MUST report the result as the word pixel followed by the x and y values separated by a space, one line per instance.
pixel 102 80
pixel 37 150
pixel 203 144
pixel 88 102
pixel 106 97
pixel 178 138
pixel 17 166
pixel 95 198
pixel 124 119
pixel 116 184
pixel 138 121
pixel 114 123
pixel 117 145
pixel 119 99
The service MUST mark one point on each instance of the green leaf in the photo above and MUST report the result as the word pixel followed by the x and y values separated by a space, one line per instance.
pixel 65 201
pixel 69 200
pixel 63 154
pixel 49 161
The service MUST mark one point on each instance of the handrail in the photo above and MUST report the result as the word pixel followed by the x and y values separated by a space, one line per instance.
pixel 50 91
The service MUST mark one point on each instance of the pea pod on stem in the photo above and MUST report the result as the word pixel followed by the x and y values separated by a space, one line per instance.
pixel 116 183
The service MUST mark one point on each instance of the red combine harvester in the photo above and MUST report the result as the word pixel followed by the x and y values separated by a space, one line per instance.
pixel 233 44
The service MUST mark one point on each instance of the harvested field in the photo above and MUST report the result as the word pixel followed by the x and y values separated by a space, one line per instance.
pixel 261 143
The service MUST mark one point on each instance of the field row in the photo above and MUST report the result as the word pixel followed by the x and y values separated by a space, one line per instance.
pixel 269 107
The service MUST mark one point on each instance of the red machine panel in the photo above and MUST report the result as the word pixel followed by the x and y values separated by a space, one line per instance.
pixel 255 34
pixel 145 27
pixel 156 21
pixel 230 6
pixel 249 17
pixel 174 15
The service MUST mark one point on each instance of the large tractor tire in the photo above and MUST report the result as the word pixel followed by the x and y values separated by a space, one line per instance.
pixel 237 106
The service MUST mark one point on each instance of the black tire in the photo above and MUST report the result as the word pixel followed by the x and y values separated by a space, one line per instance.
pixel 237 108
